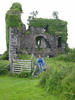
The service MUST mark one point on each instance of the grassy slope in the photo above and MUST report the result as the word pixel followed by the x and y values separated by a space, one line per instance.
pixel 12 88
pixel 61 77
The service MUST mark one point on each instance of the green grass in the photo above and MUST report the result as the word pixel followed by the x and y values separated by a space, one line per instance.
pixel 12 88
pixel 59 79
pixel 58 83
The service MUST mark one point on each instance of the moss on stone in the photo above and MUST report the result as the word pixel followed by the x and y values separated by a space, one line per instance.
pixel 52 26
pixel 13 19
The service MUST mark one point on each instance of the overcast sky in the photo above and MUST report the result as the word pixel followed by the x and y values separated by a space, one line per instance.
pixel 65 8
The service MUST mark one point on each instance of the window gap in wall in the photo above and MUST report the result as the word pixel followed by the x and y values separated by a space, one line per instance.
pixel 59 42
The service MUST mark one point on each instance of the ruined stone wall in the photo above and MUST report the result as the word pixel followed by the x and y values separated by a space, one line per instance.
pixel 13 43
pixel 49 43
pixel 20 42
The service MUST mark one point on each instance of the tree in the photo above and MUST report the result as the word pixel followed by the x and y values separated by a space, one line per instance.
pixel 33 15
pixel 55 14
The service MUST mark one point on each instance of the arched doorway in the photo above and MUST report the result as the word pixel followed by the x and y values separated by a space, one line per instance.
pixel 41 42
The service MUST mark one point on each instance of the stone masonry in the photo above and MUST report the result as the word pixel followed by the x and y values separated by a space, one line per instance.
pixel 37 42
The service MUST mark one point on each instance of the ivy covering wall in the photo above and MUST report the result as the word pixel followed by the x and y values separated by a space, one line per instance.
pixel 13 19
pixel 52 26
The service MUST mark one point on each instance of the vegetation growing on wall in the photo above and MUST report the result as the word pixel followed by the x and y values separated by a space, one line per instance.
pixel 16 6
pixel 52 26
pixel 13 18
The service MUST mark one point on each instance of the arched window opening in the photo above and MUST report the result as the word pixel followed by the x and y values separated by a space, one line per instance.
pixel 42 43
pixel 38 41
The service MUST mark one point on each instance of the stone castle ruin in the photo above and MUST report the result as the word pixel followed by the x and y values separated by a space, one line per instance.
pixel 36 42
pixel 44 36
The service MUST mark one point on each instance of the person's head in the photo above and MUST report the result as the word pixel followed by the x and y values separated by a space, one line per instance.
pixel 39 56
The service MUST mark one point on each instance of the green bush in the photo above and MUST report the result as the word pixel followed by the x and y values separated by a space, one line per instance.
pixel 17 6
pixel 59 79
pixel 51 80
pixel 23 74
pixel 4 56
pixel 4 67
pixel 24 56
pixel 69 85
pixel 70 56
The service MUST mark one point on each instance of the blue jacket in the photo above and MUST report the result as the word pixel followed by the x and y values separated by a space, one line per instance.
pixel 40 61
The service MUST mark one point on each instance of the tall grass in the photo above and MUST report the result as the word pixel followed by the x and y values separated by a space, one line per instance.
pixel 69 56
pixel 59 78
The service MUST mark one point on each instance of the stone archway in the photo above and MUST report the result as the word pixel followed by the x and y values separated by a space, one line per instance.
pixel 42 42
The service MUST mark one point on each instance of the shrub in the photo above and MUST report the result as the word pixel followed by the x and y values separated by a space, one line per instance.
pixel 59 79
pixel 24 56
pixel 70 56
pixel 52 81
pixel 4 67
pixel 4 56
pixel 69 86
pixel 23 74
pixel 17 6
